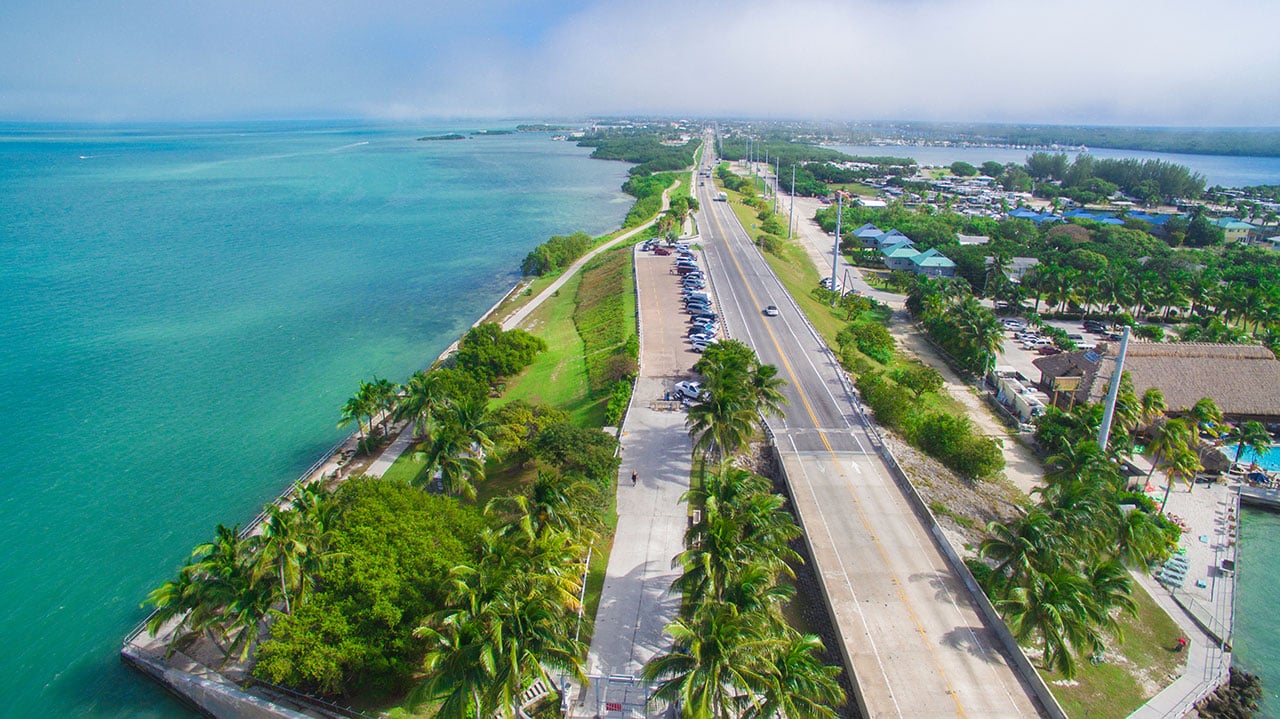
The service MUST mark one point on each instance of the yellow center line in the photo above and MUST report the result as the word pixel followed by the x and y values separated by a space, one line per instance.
pixel 862 516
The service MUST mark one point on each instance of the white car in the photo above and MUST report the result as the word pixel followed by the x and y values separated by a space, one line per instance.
pixel 689 389
pixel 827 283
pixel 771 311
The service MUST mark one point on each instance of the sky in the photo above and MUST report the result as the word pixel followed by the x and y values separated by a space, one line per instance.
pixel 1122 62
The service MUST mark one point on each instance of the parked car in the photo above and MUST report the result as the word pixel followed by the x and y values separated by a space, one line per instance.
pixel 771 311
pixel 661 251
pixel 1048 350
pixel 689 389
pixel 1075 337
pixel 827 283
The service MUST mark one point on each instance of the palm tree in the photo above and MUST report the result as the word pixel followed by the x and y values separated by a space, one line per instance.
pixel 214 593
pixel 506 622
pixel 1183 464
pixel 450 454
pixel 797 683
pixel 742 523
pixel 473 421
pixel 1140 540
pixel 424 395
pixel 1018 549
pixel 1152 406
pixel 1207 415
pixel 1058 608
pixel 354 410
pixel 722 423
pixel 766 389
pixel 382 399
pixel 280 549
pixel 554 503
pixel 714 663
pixel 1251 434
pixel 1167 439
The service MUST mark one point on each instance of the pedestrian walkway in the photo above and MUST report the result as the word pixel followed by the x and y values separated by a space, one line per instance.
pixel 393 451
pixel 636 601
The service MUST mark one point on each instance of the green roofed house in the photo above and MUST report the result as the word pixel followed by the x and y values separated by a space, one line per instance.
pixel 932 263
pixel 1234 230
pixel 898 256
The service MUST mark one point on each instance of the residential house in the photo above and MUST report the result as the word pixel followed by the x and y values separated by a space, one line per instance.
pixel 1018 266
pixel 898 256
pixel 932 263
pixel 966 240
pixel 1234 230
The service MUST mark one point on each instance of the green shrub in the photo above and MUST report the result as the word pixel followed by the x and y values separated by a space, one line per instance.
pixel 556 253
pixel 1155 333
pixel 954 441
pixel 892 405
pixel 918 378
pixel 588 453
pixel 618 401
pixel 771 244
pixel 870 337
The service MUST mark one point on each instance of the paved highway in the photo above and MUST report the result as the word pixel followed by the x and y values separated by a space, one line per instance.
pixel 910 633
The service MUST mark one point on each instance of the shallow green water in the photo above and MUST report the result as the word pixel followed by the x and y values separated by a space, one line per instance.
pixel 183 309
pixel 1257 630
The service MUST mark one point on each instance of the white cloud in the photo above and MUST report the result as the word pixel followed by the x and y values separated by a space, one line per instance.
pixel 1074 61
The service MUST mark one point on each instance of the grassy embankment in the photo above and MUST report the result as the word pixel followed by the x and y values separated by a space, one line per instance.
pixel 1142 661
pixel 588 320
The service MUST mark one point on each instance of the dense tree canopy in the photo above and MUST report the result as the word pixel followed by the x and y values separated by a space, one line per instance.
pixel 393 546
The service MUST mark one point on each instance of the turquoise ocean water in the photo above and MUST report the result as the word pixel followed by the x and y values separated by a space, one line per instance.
pixel 1257 631
pixel 182 311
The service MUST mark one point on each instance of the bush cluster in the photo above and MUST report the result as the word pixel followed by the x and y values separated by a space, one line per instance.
pixel 952 440
pixel 647 189
pixel 870 337
pixel 488 353
pixel 556 253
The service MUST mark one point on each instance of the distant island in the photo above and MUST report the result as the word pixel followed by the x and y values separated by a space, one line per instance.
pixel 450 136
pixel 494 132
pixel 542 127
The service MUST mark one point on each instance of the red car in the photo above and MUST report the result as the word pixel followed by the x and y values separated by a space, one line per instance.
pixel 661 251
pixel 1048 350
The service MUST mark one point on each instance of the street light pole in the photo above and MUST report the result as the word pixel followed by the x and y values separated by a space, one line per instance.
pixel 791 218
pixel 835 247
pixel 1104 432
pixel 777 168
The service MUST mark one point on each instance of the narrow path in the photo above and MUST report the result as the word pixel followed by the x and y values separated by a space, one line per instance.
pixel 515 318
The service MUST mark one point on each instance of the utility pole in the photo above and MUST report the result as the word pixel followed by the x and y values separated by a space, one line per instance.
pixel 1104 432
pixel 777 168
pixel 791 218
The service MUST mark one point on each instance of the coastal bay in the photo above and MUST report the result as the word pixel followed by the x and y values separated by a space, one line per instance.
pixel 194 303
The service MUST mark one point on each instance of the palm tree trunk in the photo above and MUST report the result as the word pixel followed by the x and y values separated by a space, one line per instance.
pixel 284 590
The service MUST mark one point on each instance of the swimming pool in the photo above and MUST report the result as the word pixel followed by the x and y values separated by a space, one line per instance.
pixel 1269 460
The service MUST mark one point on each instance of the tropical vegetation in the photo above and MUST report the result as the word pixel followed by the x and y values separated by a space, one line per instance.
pixel 734 655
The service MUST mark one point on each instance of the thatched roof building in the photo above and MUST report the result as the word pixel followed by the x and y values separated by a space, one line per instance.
pixel 1244 380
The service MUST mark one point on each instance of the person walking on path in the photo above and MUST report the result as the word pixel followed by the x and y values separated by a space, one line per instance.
pixel 634 477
